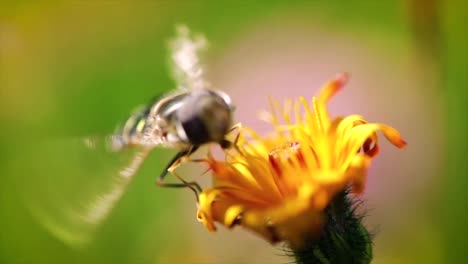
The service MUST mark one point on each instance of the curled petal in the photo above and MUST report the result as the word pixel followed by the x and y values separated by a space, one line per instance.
pixel 232 214
pixel 207 221
pixel 357 172
pixel 204 214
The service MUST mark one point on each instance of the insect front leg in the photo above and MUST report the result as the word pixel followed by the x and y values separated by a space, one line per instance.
pixel 225 144
pixel 173 164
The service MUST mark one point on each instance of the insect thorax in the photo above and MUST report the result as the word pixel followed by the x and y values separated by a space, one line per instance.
pixel 180 120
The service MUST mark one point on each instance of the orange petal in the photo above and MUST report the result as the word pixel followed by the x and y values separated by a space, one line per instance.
pixel 393 136
pixel 207 222
pixel 332 87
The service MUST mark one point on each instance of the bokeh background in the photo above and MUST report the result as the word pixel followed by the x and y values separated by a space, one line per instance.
pixel 77 68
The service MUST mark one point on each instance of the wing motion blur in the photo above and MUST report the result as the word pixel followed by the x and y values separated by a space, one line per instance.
pixel 75 184
pixel 187 69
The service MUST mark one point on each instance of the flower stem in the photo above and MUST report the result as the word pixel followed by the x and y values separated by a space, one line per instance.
pixel 344 238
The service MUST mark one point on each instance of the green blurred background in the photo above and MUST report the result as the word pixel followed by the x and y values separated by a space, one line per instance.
pixel 78 68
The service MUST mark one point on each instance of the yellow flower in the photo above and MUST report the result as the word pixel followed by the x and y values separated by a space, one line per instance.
pixel 278 186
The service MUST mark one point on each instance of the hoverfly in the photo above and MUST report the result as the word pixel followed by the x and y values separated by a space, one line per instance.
pixel 184 119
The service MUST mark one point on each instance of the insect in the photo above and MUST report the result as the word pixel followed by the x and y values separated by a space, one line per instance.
pixel 184 119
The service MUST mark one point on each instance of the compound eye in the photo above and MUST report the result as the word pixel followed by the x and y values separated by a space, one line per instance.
pixel 196 130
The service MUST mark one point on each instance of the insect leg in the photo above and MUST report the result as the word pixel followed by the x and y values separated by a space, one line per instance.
pixel 196 189
pixel 237 127
pixel 225 144
pixel 173 164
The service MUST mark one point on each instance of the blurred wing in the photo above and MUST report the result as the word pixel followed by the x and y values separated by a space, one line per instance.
pixel 74 185
pixel 185 49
